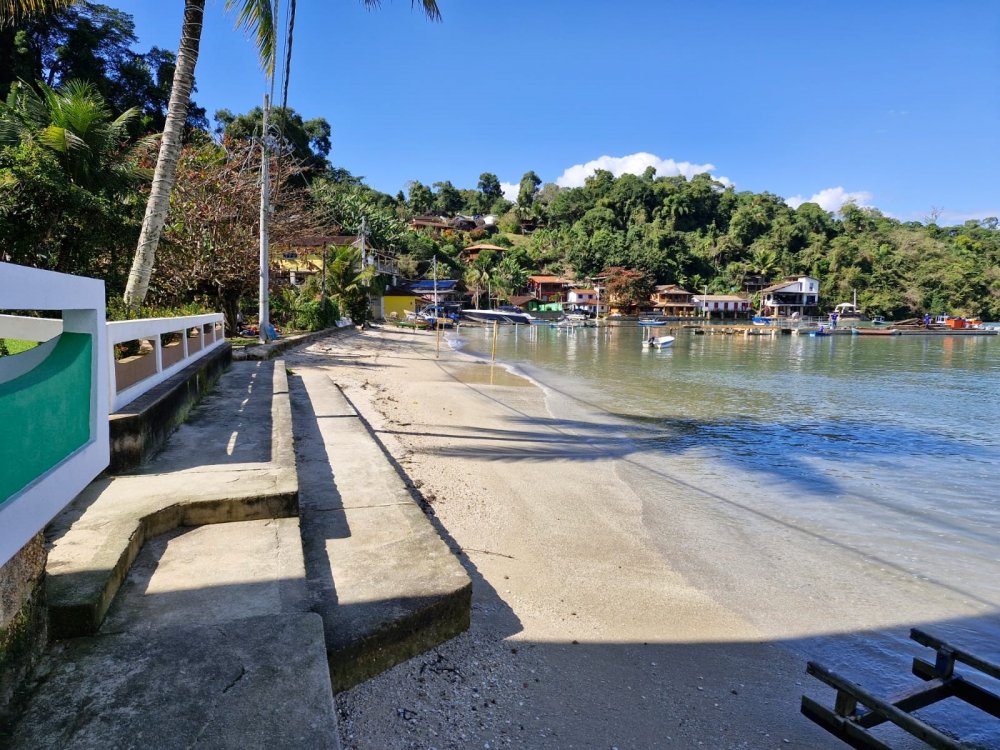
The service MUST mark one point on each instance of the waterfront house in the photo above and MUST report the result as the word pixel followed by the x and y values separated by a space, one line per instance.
pixel 585 299
pixel 673 301
pixel 796 294
pixel 547 288
pixel 721 305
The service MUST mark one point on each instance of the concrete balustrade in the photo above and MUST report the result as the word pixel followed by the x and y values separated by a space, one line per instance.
pixel 189 338
pixel 53 399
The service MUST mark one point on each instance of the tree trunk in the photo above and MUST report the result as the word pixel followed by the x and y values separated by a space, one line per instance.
pixel 170 150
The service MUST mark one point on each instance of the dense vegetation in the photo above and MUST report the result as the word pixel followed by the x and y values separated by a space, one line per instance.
pixel 75 157
pixel 697 233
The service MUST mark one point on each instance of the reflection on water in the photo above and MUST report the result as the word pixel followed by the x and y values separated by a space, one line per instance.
pixel 482 373
pixel 817 485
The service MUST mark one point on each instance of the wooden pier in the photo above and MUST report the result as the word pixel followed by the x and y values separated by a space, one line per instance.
pixel 856 711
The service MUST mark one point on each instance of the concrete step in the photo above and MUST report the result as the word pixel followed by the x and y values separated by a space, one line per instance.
pixel 232 462
pixel 384 581
pixel 260 682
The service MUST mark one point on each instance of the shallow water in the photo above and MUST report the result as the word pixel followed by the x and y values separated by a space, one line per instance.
pixel 834 491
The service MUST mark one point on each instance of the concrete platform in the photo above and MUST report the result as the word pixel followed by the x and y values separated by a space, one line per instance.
pixel 252 683
pixel 142 427
pixel 384 581
pixel 233 461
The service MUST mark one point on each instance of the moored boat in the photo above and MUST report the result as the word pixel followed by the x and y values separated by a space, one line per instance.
pixel 505 314
pixel 659 342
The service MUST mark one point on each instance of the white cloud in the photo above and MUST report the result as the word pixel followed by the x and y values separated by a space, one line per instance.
pixel 832 199
pixel 510 190
pixel 634 164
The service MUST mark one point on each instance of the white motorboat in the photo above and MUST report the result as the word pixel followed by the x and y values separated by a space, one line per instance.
pixel 659 342
pixel 505 314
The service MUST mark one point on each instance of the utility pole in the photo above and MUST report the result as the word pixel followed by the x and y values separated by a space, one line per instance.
pixel 265 210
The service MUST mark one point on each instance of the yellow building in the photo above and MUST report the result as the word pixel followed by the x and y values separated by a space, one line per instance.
pixel 399 301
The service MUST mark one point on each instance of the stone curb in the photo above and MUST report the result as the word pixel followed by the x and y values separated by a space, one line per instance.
pixel 386 583
pixel 272 350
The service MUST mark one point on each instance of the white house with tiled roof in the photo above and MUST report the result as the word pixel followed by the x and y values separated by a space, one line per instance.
pixel 796 294
pixel 584 299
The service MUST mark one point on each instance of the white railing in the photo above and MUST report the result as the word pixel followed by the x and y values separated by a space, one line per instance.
pixel 29 329
pixel 195 336
pixel 65 471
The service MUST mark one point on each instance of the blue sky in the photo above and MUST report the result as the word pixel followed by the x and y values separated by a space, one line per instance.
pixel 897 104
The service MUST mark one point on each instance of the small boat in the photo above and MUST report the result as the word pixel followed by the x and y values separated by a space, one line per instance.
pixel 821 331
pixel 878 320
pixel 659 342
pixel 505 314
pixel 652 320
pixel 874 331
pixel 434 316
pixel 760 320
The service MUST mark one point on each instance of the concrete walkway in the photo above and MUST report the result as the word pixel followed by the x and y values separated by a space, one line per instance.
pixel 199 612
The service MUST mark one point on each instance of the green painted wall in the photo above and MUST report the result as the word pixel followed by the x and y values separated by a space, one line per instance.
pixel 46 413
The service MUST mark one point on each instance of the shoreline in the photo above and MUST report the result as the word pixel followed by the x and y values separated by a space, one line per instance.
pixel 581 635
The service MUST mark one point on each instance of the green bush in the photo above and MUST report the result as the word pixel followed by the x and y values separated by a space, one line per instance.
pixel 315 315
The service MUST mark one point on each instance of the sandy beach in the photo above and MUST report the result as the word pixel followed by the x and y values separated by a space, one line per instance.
pixel 582 635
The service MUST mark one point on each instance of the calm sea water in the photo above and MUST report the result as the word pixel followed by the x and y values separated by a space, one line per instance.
pixel 835 491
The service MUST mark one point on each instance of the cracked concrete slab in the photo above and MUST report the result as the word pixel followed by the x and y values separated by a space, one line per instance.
pixel 255 682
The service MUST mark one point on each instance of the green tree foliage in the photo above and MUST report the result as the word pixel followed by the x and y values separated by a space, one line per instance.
pixel 421 198
pixel 447 200
pixel 307 140
pixel 74 123
pixel 509 276
pixel 94 43
pixel 345 204
pixel 349 284
pixel 529 186
pixel 68 181
pixel 489 190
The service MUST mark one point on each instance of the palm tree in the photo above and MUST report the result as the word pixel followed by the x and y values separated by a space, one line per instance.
pixel 257 17
pixel 349 283
pixel 74 122
pixel 473 278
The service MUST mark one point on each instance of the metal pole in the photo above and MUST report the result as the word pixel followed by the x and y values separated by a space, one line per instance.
pixel 265 198
pixel 496 324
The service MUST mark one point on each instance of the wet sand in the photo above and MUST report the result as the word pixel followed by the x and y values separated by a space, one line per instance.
pixel 582 635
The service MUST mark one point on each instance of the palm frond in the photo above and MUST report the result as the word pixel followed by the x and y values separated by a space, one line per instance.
pixel 257 18
pixel 429 7
pixel 12 11
pixel 61 139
